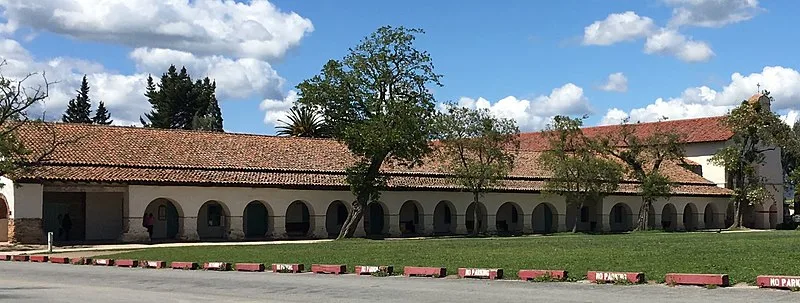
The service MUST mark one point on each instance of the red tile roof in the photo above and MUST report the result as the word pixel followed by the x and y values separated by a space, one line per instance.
pixel 130 155
pixel 696 130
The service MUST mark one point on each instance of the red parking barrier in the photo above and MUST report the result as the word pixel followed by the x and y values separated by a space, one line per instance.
pixel 153 264
pixel 20 258
pixel 368 270
pixel 481 273
pixel 436 272
pixel 697 279
pixel 781 282
pixel 5 257
pixel 183 265
pixel 611 277
pixel 532 274
pixel 220 266
pixel 249 267
pixel 287 268
pixel 59 260
pixel 328 269
pixel 104 262
pixel 39 259
pixel 127 263
pixel 81 261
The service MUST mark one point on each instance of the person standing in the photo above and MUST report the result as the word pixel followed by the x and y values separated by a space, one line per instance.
pixel 149 221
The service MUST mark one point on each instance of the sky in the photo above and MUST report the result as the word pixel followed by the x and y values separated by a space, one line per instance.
pixel 525 60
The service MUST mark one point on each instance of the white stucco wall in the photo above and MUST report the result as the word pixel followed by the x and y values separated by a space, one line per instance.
pixel 27 201
pixel 702 153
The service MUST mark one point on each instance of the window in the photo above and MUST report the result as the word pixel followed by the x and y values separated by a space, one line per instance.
pixel 618 213
pixel 214 215
pixel 162 212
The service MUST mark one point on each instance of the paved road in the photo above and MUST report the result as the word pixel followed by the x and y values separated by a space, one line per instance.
pixel 32 282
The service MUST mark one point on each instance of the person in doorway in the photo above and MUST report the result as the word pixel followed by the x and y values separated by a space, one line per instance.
pixel 66 225
pixel 148 223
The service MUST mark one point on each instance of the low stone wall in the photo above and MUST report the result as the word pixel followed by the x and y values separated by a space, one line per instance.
pixel 25 231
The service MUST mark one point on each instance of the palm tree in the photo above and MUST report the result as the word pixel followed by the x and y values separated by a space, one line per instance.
pixel 303 122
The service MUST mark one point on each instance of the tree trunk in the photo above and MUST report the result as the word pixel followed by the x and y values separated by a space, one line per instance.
pixel 577 217
pixel 475 213
pixel 643 223
pixel 737 215
pixel 353 218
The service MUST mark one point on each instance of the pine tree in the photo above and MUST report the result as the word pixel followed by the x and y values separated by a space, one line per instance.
pixel 101 115
pixel 79 109
pixel 177 102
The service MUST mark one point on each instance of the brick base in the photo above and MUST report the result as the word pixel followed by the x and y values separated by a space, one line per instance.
pixel 25 231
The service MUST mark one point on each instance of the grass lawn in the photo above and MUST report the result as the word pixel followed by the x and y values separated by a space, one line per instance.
pixel 741 255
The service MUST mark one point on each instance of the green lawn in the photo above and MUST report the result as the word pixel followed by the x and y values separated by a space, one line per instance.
pixel 741 255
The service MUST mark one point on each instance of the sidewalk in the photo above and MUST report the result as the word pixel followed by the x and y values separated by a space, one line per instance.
pixel 128 247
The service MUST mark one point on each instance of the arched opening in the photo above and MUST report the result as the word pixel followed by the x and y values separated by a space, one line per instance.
pixel 3 220
pixel 621 218
pixel 411 218
pixel 749 216
pixel 773 216
pixel 690 217
pixel 584 219
pixel 544 219
pixel 509 219
pixel 669 217
pixel 709 217
pixel 472 214
pixel 334 218
pixel 729 215
pixel 444 218
pixel 298 219
pixel 256 220
pixel 212 221
pixel 375 220
pixel 166 219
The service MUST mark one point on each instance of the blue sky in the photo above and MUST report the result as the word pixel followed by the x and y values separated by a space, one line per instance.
pixel 675 58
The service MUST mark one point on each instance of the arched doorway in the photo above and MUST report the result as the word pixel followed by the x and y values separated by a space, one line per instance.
pixel 256 220
pixel 444 218
pixel 375 220
pixel 729 215
pixel 544 219
pixel 690 217
pixel 709 217
pixel 469 219
pixel 621 218
pixel 3 220
pixel 298 219
pixel 773 216
pixel 411 219
pixel 509 219
pixel 749 216
pixel 166 215
pixel 212 221
pixel 669 217
pixel 334 218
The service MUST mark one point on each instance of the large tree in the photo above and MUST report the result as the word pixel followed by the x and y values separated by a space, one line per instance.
pixel 177 101
pixel 756 131
pixel 79 109
pixel 101 115
pixel 644 153
pixel 578 172
pixel 478 150
pixel 303 121
pixel 790 159
pixel 377 101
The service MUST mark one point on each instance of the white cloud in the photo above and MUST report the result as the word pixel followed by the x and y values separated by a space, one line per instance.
pixel 782 82
pixel 535 114
pixel 122 94
pixel 617 82
pixel 239 78
pixel 617 28
pixel 277 109
pixel 670 42
pixel 791 117
pixel 211 27
pixel 711 13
